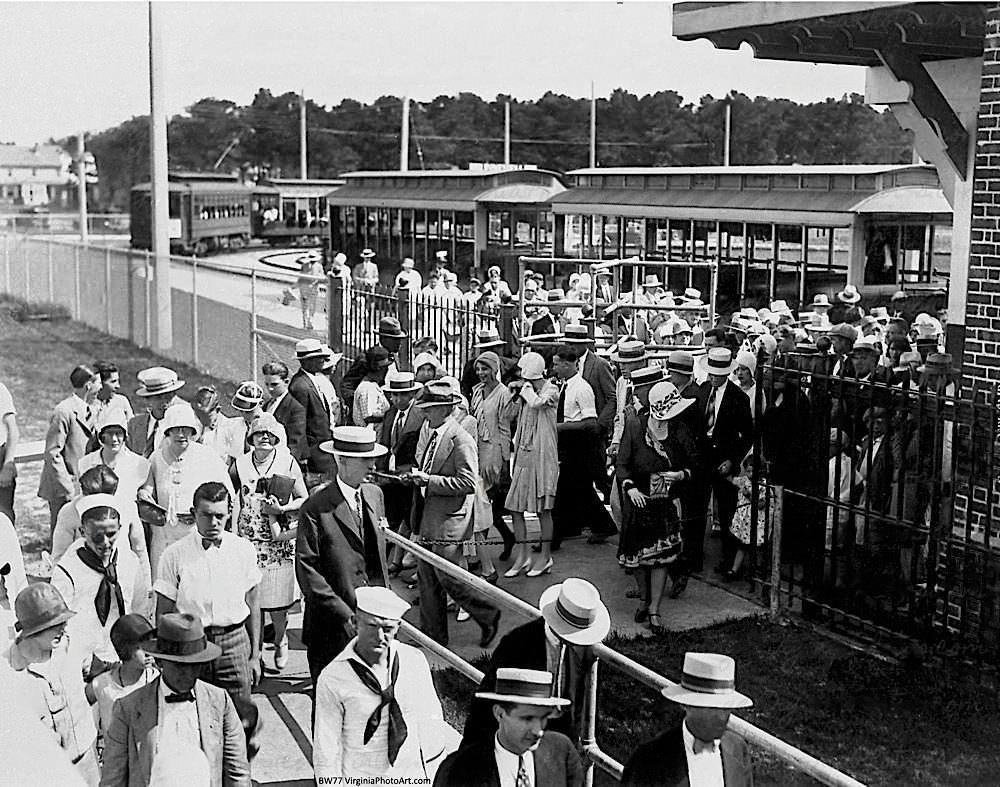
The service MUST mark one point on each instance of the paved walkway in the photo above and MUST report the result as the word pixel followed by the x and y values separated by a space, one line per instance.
pixel 284 700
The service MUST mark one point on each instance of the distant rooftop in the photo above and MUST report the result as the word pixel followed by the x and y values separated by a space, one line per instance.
pixel 33 156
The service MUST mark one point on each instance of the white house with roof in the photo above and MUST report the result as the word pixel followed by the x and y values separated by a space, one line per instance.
pixel 39 176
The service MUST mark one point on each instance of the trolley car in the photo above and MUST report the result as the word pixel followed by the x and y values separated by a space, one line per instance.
pixel 292 211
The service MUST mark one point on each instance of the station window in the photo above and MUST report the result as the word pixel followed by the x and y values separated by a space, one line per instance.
pixel 635 237
pixel 572 236
pixel 465 226
pixel 498 228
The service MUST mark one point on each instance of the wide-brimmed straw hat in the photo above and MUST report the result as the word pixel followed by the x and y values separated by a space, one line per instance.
pixel 708 681
pixel 354 441
pixel 180 637
pixel 574 611
pixel 437 393
pixel 38 607
pixel 157 380
pixel 523 687
pixel 666 402
pixel 849 295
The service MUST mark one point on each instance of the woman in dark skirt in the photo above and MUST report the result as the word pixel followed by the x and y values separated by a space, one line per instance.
pixel 657 457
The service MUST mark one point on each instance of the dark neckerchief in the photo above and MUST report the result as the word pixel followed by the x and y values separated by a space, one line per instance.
pixel 387 697
pixel 109 583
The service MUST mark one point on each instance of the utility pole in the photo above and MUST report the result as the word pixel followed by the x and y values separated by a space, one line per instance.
pixel 303 167
pixel 506 133
pixel 729 130
pixel 593 127
pixel 404 137
pixel 81 188
pixel 158 187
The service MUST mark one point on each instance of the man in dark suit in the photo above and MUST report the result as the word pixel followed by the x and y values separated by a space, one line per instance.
pixel 562 644
pixel 442 512
pixel 306 388
pixel 488 339
pixel 390 336
pixel 158 388
pixel 339 545
pixel 286 409
pixel 700 750
pixel 140 744
pixel 729 432
pixel 522 750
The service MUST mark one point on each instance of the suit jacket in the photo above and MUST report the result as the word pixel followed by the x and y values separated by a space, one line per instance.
pixel 524 648
pixel 662 762
pixel 334 554
pixel 405 447
pixel 317 421
pixel 292 415
pixel 733 433
pixel 474 765
pixel 65 445
pixel 597 372
pixel 130 743
pixel 138 427
pixel 445 510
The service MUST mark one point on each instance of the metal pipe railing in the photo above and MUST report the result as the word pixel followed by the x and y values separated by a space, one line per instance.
pixel 797 758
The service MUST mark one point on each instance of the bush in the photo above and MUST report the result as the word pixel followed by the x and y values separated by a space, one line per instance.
pixel 22 311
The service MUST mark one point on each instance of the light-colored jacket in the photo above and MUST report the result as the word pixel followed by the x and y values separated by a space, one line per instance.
pixel 447 504
pixel 65 446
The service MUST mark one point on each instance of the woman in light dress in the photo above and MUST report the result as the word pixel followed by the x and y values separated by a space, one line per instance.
pixel 535 472
pixel 269 491
pixel 131 468
pixel 177 467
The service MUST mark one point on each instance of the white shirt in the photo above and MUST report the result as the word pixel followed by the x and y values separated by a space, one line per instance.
pixel 350 494
pixel 579 402
pixel 272 405
pixel 131 468
pixel 509 763
pixel 325 386
pixel 78 585
pixel 369 401
pixel 177 725
pixel 6 408
pixel 13 582
pixel 705 767
pixel 344 705
pixel 212 583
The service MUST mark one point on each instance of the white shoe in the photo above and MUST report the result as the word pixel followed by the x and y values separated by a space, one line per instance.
pixel 281 654
pixel 462 615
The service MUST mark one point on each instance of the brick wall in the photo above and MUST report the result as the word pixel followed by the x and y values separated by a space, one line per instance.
pixel 982 316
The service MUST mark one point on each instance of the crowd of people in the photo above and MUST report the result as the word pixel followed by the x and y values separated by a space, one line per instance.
pixel 178 532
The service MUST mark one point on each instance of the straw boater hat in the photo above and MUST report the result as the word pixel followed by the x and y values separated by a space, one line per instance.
pixel 178 415
pixel 180 637
pixel 648 375
pixel 666 402
pixel 389 326
pixel 401 382
pixel 849 295
pixel 692 294
pixel 248 396
pixel 380 602
pixel 308 348
pixel 556 294
pixel 437 393
pixel 749 312
pixel 680 361
pixel 38 607
pixel 354 441
pixel 157 380
pixel 523 687
pixel 720 361
pixel 577 334
pixel 574 611
pixel 367 254
pixel 708 681
pixel 629 351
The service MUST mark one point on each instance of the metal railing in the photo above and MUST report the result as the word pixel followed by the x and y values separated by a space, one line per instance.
pixel 594 755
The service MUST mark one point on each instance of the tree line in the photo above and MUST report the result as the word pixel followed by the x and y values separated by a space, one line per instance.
pixel 262 138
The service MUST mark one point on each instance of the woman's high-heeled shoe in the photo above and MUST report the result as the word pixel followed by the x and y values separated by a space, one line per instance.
pixel 537 572
pixel 514 571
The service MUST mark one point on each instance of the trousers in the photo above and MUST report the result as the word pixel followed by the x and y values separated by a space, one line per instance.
pixel 434 584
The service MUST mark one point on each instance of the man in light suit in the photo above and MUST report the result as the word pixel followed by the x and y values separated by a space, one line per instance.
pixel 339 545
pixel 158 731
pixel 70 427
pixel 158 388
pixel 305 387
pixel 521 750
pixel 700 750
pixel 442 512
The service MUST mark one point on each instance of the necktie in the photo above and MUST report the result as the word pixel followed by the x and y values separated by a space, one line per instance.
pixel 428 459
pixel 710 411
pixel 387 698
pixel 109 583
pixel 184 696
pixel 359 504
pixel 700 746
pixel 208 543
pixel 397 424
pixel 561 407
pixel 522 774
pixel 151 439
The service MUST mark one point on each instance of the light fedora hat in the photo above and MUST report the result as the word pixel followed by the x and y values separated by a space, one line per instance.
pixel 849 294
pixel 488 337
pixel 157 380
pixel 401 382
pixel 720 361
pixel 308 348
pixel 708 681
pixel 354 441
pixel 437 393
pixel 523 687
pixel 574 611
pixel 652 280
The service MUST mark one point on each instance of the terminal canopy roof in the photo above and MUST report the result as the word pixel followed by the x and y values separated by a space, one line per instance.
pixel 448 189
pixel 818 196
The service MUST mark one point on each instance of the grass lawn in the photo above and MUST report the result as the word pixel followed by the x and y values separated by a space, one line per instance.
pixel 879 722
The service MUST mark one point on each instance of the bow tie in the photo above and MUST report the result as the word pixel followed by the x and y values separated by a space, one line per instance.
pixel 183 696
pixel 700 746
pixel 208 543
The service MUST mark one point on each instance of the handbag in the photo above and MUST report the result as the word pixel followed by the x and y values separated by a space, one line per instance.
pixel 279 486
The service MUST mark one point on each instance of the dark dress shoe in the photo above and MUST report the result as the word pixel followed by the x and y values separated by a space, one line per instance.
pixel 492 578
pixel 490 631
pixel 508 547
pixel 596 539
pixel 680 585
pixel 642 614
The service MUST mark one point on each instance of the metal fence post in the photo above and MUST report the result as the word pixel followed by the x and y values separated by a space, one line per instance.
pixel 107 289
pixel 588 735
pixel 27 272
pixel 335 313
pixel 776 526
pixel 148 318
pixel 194 312
pixel 403 315
pixel 253 324
pixel 76 282
pixel 52 291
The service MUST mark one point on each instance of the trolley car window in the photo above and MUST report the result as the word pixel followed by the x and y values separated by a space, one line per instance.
pixel 465 228
pixel 635 237
pixel 498 228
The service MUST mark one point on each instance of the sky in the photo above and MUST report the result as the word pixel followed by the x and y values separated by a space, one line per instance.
pixel 68 66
